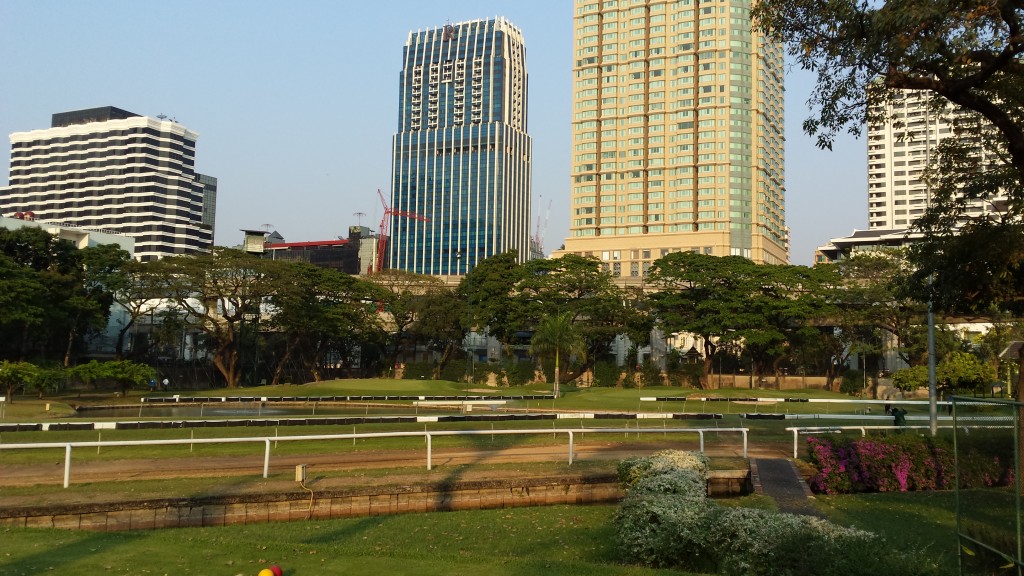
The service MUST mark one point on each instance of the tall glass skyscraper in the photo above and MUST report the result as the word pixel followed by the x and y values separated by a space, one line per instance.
pixel 677 134
pixel 461 157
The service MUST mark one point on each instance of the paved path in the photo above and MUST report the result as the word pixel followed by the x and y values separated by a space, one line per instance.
pixel 777 478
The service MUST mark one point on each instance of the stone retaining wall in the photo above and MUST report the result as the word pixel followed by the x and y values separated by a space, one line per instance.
pixel 325 504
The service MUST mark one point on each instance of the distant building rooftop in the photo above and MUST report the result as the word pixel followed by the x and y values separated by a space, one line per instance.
pixel 101 114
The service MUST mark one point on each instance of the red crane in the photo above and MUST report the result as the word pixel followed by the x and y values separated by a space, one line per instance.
pixel 385 223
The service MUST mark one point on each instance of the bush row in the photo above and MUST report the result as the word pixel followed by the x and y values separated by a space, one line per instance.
pixel 904 462
pixel 667 521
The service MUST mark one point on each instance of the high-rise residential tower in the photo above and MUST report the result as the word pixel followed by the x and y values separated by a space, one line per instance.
pixel 110 170
pixel 461 158
pixel 900 147
pixel 677 134
pixel 903 140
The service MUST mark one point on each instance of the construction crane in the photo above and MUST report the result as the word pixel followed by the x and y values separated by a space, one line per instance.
pixel 541 229
pixel 385 223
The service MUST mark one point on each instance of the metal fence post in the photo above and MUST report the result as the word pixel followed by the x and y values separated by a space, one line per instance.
pixel 430 450
pixel 67 464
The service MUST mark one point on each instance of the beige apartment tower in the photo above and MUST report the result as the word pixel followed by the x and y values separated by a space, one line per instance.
pixel 677 134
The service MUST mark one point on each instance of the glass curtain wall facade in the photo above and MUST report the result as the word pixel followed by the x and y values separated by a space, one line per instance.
pixel 462 155
pixel 109 170
pixel 677 134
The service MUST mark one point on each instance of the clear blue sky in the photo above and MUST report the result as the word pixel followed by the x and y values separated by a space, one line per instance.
pixel 296 102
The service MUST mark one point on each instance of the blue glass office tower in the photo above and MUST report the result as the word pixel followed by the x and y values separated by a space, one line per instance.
pixel 461 157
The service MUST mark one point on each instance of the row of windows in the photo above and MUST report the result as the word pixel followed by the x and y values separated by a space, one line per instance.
pixel 70 139
pixel 174 167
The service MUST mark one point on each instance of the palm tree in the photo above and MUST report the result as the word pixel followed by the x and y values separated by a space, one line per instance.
pixel 555 336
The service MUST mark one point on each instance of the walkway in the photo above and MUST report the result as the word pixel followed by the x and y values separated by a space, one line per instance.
pixel 778 479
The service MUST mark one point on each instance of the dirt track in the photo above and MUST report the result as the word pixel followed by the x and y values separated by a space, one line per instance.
pixel 115 477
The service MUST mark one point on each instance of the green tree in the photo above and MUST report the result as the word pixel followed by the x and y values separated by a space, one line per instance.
pixel 558 338
pixel 731 301
pixel 399 295
pixel 963 371
pixel 320 311
pixel 215 292
pixel 126 374
pixel 56 266
pixel 489 290
pixel 441 323
pixel 22 306
pixel 15 376
pixel 967 52
pixel 598 308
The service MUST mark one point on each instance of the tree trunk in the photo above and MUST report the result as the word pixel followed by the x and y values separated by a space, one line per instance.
pixel 285 358
pixel 119 343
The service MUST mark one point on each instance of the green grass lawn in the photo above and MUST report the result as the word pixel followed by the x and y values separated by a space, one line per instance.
pixel 563 540
pixel 924 520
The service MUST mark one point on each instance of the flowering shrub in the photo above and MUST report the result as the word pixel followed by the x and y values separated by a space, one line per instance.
pixel 633 469
pixel 666 520
pixel 683 482
pixel 897 464
pixel 664 530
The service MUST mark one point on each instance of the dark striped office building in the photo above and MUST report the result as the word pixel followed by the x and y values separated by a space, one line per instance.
pixel 461 160
pixel 113 171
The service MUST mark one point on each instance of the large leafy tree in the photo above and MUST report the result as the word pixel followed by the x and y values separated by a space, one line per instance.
pixel 967 53
pixel 488 290
pixel 579 286
pixel 731 300
pixel 216 292
pixel 16 375
pixel 399 296
pixel 441 323
pixel 54 293
pixel 320 311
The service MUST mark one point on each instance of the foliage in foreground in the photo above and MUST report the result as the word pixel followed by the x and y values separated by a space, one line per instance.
pixel 902 463
pixel 666 520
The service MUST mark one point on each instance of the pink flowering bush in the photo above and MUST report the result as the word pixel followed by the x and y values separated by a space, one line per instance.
pixel 898 464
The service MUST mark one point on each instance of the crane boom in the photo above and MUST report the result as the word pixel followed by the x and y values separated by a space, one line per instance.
pixel 384 229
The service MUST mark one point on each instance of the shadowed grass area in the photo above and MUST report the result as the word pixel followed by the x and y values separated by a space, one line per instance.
pixel 923 520
pixel 560 540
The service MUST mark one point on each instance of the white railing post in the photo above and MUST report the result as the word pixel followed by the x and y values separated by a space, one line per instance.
pixel 430 450
pixel 570 447
pixel 796 436
pixel 744 443
pixel 701 434
pixel 266 458
pixel 67 464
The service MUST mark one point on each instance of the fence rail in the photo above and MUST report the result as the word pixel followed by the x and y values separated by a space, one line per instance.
pixel 427 436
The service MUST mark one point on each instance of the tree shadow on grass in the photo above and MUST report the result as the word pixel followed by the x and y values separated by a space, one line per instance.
pixel 60 558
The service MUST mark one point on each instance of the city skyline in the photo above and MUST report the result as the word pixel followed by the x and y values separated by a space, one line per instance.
pixel 295 106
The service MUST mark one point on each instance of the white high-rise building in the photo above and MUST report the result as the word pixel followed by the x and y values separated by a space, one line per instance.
pixel 899 151
pixel 110 170
pixel 901 145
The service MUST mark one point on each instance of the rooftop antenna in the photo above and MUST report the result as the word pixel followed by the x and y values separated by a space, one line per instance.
pixel 359 217
pixel 267 227
pixel 162 116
